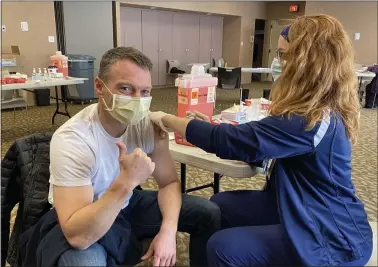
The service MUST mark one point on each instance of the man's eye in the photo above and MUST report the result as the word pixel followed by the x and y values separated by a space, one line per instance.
pixel 126 89
pixel 145 92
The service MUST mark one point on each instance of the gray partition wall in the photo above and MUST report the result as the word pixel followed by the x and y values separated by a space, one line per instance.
pixel 88 28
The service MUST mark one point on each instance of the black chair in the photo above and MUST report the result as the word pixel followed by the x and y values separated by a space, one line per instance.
pixel 230 79
pixel 266 93
pixel 25 178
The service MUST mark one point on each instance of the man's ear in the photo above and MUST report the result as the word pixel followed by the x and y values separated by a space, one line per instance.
pixel 98 87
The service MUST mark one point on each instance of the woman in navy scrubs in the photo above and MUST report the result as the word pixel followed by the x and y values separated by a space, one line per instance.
pixel 309 213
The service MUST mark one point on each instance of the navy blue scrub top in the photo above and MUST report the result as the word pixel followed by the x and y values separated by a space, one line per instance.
pixel 323 217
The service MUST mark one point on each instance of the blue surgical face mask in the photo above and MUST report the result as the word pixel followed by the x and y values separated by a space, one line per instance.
pixel 276 68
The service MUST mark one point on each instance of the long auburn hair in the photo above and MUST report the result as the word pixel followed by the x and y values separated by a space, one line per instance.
pixel 318 74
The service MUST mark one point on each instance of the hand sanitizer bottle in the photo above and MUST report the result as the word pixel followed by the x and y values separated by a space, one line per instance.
pixel 34 75
pixel 45 74
pixel 40 77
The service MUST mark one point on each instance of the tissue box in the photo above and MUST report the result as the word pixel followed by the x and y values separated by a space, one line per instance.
pixel 8 62
pixel 9 55
pixel 234 114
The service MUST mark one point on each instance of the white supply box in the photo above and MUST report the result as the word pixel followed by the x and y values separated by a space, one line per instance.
pixel 234 114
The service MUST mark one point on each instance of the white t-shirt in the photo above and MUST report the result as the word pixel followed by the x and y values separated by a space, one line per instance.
pixel 83 153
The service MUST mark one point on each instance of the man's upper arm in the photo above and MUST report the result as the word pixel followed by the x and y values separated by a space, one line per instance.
pixel 165 171
pixel 71 167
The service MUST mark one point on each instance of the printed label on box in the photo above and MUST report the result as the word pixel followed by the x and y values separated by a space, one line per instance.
pixel 183 92
pixel 182 100
pixel 211 95
pixel 194 98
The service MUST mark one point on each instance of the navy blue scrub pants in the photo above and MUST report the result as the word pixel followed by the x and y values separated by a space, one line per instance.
pixel 252 234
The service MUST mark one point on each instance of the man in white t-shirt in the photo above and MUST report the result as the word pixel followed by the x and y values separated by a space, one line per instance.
pixel 102 154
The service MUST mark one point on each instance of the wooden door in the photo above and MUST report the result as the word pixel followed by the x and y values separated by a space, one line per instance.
pixel 150 41
pixel 205 40
pixel 216 37
pixel 131 27
pixel 165 43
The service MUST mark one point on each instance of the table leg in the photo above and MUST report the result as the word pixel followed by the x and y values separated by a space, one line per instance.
pixel 57 104
pixel 360 93
pixel 214 185
pixel 63 94
pixel 183 178
pixel 217 178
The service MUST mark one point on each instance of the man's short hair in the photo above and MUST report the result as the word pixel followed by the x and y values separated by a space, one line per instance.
pixel 121 53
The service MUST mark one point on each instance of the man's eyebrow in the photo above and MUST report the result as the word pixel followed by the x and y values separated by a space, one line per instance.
pixel 119 83
pixel 126 83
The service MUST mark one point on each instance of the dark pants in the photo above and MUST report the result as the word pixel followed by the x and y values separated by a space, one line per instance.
pixel 252 234
pixel 198 217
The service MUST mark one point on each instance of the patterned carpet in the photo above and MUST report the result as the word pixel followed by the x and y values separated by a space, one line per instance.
pixel 364 154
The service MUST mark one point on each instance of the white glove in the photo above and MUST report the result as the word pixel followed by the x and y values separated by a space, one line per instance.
pixel 156 118
pixel 197 116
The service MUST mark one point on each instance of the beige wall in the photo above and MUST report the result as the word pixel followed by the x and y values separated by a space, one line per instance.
pixel 356 17
pixel 34 46
pixel 248 11
pixel 231 39
pixel 280 10
pixel 277 10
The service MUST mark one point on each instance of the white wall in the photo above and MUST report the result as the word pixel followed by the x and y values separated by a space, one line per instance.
pixel 88 28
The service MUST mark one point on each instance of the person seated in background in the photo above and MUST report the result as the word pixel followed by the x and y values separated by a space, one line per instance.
pixel 98 159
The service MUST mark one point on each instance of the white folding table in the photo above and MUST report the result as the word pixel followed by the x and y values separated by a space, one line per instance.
pixel 32 85
pixel 197 157
pixel 194 156
pixel 360 75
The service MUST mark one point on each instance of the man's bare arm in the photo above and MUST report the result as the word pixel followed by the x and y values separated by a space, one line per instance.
pixel 169 196
pixel 83 221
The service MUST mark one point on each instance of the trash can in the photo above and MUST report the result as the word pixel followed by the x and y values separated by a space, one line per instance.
pixel 81 66
pixel 42 97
